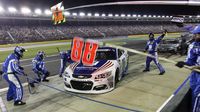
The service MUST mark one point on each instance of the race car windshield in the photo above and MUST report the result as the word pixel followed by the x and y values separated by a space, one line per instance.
pixel 105 55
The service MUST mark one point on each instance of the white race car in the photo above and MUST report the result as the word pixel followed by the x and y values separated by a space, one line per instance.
pixel 109 67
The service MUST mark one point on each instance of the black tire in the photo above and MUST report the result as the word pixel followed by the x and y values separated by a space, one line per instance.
pixel 116 76
pixel 126 72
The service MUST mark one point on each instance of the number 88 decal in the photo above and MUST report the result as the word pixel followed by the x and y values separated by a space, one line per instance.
pixel 85 52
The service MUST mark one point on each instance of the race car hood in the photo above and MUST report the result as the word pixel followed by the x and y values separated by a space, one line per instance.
pixel 82 69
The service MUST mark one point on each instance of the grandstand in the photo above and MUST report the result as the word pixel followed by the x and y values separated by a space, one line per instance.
pixel 32 26
pixel 19 31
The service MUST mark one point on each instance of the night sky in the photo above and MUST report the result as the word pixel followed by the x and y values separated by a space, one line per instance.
pixel 126 9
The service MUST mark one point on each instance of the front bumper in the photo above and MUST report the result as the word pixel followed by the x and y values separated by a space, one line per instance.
pixel 88 85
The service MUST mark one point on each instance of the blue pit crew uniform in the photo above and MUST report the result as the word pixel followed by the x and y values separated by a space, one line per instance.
pixel 64 58
pixel 193 59
pixel 151 47
pixel 39 68
pixel 11 71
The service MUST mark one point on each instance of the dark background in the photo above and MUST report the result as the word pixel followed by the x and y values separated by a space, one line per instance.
pixel 127 9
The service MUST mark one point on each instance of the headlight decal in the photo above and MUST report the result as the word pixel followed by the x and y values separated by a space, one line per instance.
pixel 103 75
pixel 65 74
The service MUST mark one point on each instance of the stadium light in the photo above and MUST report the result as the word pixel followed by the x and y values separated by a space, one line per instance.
pixel 47 12
pixel 1 9
pixel 38 11
pixel 163 16
pixel 89 14
pixel 128 15
pixel 96 14
pixel 154 16
pixel 25 10
pixel 123 15
pixel 150 16
pixel 116 15
pixel 167 16
pixel 159 16
pixel 82 14
pixel 138 15
pixel 171 16
pixel 12 9
pixel 144 15
pixel 74 14
pixel 198 16
pixel 103 15
pixel 190 16
pixel 110 15
pixel 134 15
pixel 67 13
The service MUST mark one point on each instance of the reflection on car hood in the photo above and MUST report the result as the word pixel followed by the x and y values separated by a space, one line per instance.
pixel 82 69
pixel 167 45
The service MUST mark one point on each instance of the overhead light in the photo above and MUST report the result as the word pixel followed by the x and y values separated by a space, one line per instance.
pixel 25 10
pixel 159 16
pixel 154 16
pixel 116 15
pixel 47 12
pixel 110 15
pixel 103 15
pixel 163 16
pixel 138 15
pixel 67 13
pixel 12 9
pixel 134 15
pixel 38 11
pixel 96 14
pixel 150 16
pixel 74 14
pixel 89 14
pixel 82 14
pixel 144 15
pixel 1 9
pixel 123 15
pixel 128 15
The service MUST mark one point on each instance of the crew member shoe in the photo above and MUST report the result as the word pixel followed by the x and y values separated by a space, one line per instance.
pixel 146 70
pixel 60 76
pixel 161 73
pixel 45 80
pixel 32 84
pixel 18 103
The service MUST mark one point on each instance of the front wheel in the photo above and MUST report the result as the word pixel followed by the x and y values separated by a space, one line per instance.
pixel 116 76
pixel 126 68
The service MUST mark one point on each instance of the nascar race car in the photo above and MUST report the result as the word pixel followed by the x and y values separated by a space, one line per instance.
pixel 110 65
